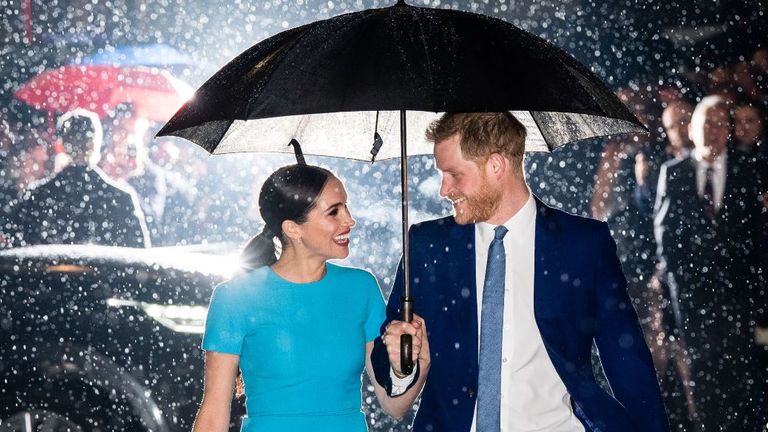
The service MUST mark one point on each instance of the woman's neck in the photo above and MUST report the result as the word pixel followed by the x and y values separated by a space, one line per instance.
pixel 296 269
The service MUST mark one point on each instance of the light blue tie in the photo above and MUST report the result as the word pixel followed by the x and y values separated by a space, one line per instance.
pixel 489 373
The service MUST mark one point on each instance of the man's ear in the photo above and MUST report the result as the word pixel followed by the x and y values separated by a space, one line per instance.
pixel 496 165
pixel 291 229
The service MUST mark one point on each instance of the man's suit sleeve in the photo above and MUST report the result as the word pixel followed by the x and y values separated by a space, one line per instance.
pixel 623 353
pixel 379 356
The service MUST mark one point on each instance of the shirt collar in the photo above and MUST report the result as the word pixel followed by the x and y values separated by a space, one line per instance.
pixel 717 164
pixel 516 224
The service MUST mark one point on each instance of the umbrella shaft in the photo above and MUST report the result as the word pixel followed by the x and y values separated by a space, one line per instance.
pixel 404 188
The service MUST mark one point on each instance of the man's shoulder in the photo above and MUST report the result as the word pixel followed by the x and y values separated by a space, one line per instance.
pixel 439 223
pixel 441 226
pixel 742 162
pixel 442 232
pixel 553 218
pixel 678 164
pixel 117 190
pixel 40 185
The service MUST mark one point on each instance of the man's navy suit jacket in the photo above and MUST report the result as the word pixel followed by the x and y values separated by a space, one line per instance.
pixel 580 296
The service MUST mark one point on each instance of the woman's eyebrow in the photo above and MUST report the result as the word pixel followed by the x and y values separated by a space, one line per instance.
pixel 332 206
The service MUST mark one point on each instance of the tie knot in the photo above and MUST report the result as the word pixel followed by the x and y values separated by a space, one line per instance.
pixel 499 232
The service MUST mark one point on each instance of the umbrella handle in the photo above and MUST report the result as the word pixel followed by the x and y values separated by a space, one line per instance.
pixel 406 341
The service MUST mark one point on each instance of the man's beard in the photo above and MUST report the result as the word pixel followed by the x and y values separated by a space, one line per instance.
pixel 478 207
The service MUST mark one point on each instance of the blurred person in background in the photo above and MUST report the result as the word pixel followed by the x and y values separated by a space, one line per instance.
pixel 623 197
pixel 29 161
pixel 125 143
pixel 7 184
pixel 80 204
pixel 675 119
pixel 718 79
pixel 165 194
pixel 759 63
pixel 189 214
pixel 670 358
pixel 8 191
pixel 749 127
pixel 743 78
pixel 126 160
pixel 623 167
pixel 706 223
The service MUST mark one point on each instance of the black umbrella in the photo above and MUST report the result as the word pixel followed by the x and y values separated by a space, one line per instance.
pixel 342 86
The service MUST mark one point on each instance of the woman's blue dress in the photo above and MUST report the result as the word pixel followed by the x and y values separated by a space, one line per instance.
pixel 301 346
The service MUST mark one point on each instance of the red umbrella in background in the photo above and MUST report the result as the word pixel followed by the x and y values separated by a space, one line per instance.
pixel 155 94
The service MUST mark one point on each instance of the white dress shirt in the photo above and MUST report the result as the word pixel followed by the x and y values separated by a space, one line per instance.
pixel 718 176
pixel 533 397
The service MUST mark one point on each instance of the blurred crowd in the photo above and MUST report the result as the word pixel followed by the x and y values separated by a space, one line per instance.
pixel 159 175
pixel 688 207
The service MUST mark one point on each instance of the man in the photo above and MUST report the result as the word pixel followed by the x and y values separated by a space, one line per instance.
pixel 127 162
pixel 675 118
pixel 125 145
pixel 514 294
pixel 706 225
pixel 80 204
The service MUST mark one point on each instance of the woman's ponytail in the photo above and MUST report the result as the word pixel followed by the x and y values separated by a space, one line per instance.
pixel 259 251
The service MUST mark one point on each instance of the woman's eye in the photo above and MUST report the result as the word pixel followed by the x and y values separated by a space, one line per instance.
pixel 334 212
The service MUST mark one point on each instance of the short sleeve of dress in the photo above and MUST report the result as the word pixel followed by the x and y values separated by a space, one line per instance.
pixel 376 308
pixel 224 330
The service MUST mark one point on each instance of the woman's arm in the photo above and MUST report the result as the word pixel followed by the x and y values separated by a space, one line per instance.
pixel 220 374
pixel 398 406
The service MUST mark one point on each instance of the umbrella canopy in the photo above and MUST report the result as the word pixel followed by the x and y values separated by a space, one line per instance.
pixel 158 55
pixel 155 94
pixel 346 69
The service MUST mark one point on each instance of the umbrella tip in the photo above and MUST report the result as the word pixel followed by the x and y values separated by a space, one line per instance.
pixel 400 3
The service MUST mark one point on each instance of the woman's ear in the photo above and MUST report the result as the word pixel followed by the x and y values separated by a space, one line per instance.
pixel 292 230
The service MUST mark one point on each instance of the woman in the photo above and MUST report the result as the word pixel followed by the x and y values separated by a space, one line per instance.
pixel 300 329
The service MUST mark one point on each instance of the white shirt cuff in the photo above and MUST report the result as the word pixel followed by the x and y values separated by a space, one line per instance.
pixel 400 385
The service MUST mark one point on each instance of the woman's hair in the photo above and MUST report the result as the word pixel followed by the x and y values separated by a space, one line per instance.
pixel 289 193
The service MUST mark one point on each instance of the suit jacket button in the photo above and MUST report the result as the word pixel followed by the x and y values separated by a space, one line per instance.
pixel 471 392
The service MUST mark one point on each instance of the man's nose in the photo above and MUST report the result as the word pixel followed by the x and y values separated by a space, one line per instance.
pixel 445 188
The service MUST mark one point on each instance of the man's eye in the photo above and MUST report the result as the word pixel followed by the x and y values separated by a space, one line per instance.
pixel 334 212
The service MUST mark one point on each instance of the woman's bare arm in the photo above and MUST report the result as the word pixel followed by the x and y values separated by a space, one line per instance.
pixel 220 374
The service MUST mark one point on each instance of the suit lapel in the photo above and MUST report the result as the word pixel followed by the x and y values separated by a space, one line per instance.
pixel 689 186
pixel 546 255
pixel 464 280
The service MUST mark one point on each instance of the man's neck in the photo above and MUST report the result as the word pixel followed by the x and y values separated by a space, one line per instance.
pixel 703 154
pixel 514 196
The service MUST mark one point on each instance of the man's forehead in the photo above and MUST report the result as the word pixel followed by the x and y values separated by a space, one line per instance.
pixel 717 111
